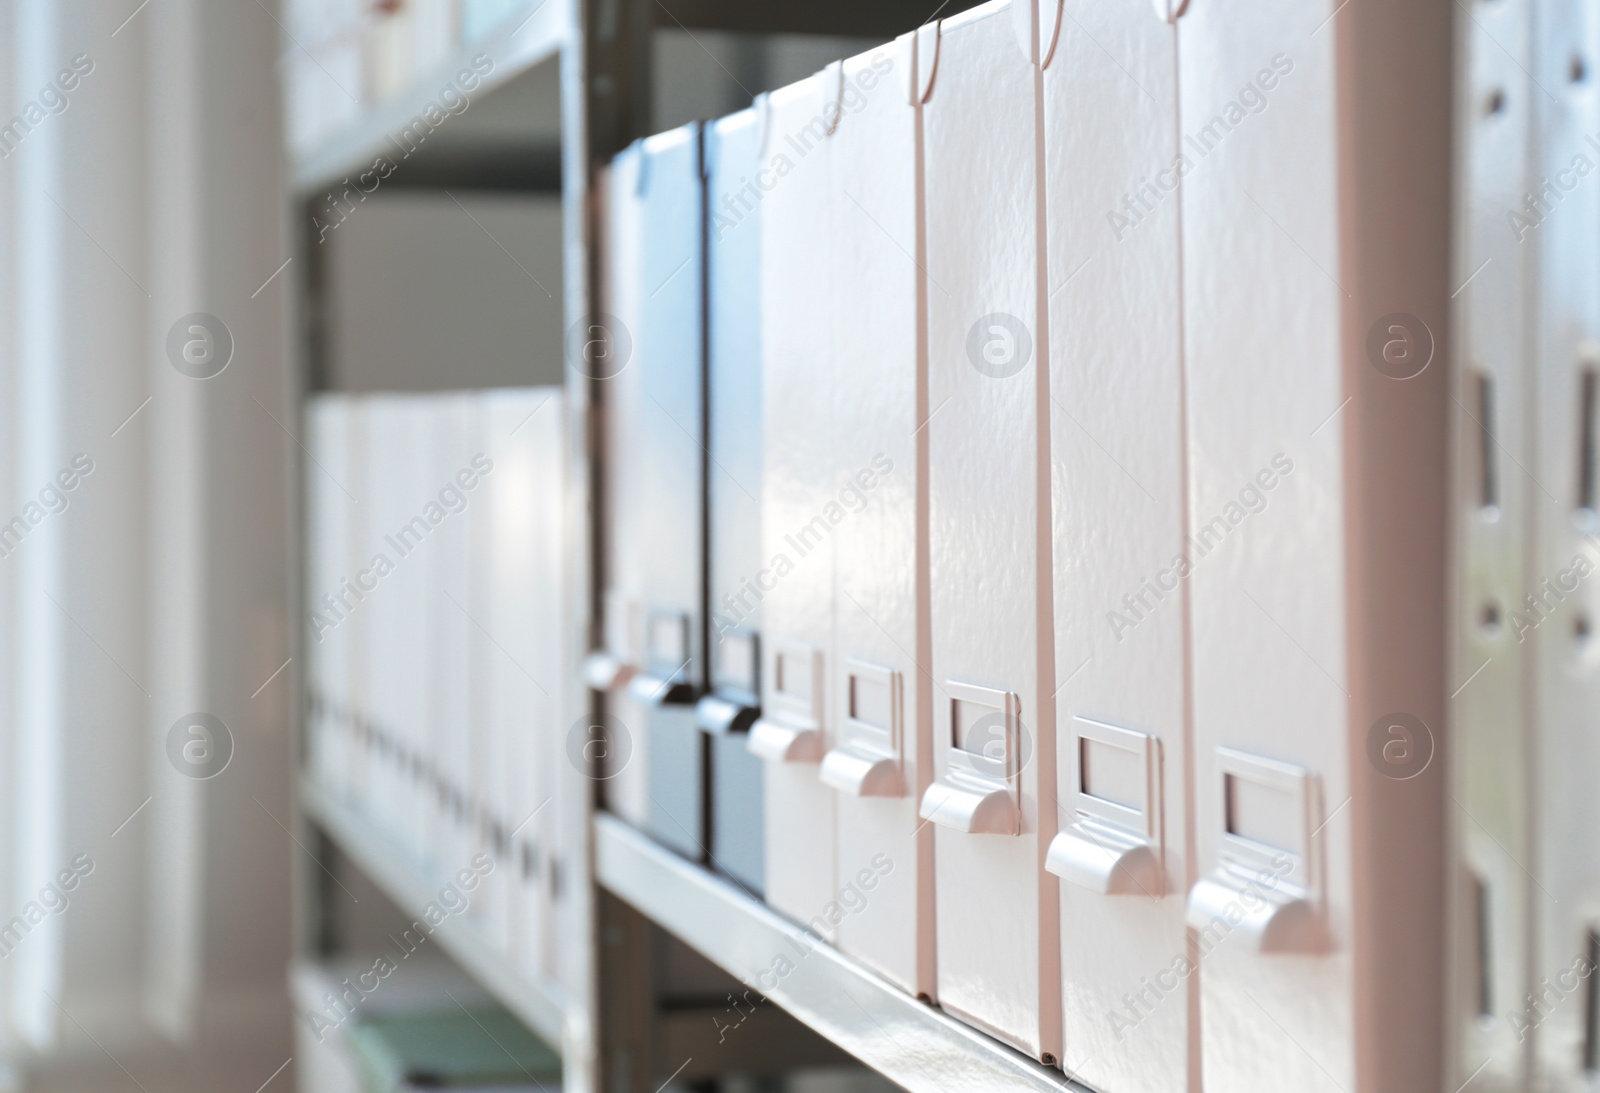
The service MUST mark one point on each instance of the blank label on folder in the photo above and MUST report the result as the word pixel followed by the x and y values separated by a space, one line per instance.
pixel 1264 814
pixel 1113 774
pixel 870 700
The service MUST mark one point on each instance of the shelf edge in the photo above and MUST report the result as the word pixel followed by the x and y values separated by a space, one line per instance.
pixel 908 1041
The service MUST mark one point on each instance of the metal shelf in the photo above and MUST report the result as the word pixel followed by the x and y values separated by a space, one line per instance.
pixel 541 1006
pixel 839 18
pixel 514 48
pixel 908 1041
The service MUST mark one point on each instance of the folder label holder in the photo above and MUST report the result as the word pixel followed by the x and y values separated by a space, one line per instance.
pixel 665 680
pixel 735 703
pixel 980 791
pixel 790 731
pixel 1268 869
pixel 1114 845
pixel 669 639
pixel 739 661
pixel 867 761
pixel 617 663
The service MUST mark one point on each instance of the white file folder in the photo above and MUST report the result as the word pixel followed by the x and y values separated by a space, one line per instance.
pixel 393 617
pixel 668 453
pixel 733 491
pixel 521 491
pixel 880 756
pixel 610 348
pixel 451 628
pixel 478 594
pixel 492 586
pixel 552 742
pixel 357 766
pixel 330 518
pixel 1118 486
pixel 1316 473
pixel 421 569
pixel 1268 586
pixel 992 797
pixel 378 618
pixel 798 472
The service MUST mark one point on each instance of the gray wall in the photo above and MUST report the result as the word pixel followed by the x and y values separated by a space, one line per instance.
pixel 435 291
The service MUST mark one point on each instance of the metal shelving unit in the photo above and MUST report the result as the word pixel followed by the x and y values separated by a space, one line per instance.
pixel 563 1013
pixel 615 1031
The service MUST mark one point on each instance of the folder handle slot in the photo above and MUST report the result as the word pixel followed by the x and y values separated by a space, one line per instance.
pixel 604 672
pixel 1105 860
pixel 779 743
pixel 861 773
pixel 971 805
pixel 718 715
pixel 1272 921
pixel 649 689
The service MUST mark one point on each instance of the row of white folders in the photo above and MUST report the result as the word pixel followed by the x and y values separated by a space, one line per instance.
pixel 1061 533
pixel 433 604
